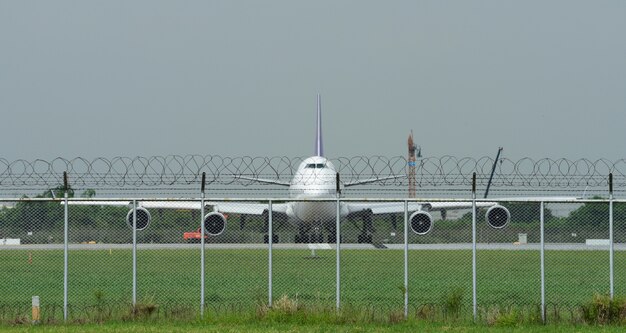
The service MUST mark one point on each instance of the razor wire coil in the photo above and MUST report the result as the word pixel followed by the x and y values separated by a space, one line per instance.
pixel 173 170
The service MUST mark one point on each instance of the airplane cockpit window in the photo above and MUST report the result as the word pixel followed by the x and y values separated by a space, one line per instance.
pixel 316 166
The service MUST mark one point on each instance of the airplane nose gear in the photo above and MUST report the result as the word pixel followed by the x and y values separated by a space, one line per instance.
pixel 242 221
pixel 368 228
pixel 317 236
pixel 266 219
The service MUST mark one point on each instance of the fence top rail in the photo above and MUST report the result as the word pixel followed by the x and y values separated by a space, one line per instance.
pixel 96 201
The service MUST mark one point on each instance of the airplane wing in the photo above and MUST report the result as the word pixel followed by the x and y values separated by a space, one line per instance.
pixel 145 204
pixel 538 199
pixel 248 208
pixel 371 180
pixel 265 181
pixel 398 207
pixel 98 203
pixel 229 207
pixel 252 208
pixel 420 220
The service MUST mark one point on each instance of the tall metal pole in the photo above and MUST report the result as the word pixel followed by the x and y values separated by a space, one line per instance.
pixel 542 254
pixel 406 259
pixel 65 248
pixel 270 243
pixel 611 246
pixel 134 253
pixel 474 298
pixel 202 247
pixel 493 170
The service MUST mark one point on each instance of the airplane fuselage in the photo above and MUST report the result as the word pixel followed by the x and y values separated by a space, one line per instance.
pixel 315 178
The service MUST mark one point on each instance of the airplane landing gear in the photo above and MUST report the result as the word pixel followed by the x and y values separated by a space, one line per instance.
pixel 274 238
pixel 317 238
pixel 368 228
pixel 312 238
pixel 302 238
pixel 332 239
pixel 365 238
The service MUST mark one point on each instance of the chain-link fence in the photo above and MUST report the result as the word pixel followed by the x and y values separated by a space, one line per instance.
pixel 441 258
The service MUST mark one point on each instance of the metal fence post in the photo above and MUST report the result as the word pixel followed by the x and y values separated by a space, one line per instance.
pixel 338 266
pixel 134 253
pixel 474 298
pixel 338 241
pixel 611 238
pixel 542 260
pixel 202 247
pixel 406 259
pixel 270 234
pixel 65 256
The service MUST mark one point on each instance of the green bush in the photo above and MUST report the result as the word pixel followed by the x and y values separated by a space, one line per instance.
pixel 452 303
pixel 604 310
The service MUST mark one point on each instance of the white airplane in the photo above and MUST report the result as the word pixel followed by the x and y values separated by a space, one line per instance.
pixel 315 178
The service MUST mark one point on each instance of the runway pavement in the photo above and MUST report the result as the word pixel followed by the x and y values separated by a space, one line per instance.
pixel 323 246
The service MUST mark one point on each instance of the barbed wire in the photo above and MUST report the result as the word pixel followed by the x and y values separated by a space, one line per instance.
pixel 177 170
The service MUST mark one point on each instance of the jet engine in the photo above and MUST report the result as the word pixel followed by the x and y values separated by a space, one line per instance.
pixel 497 216
pixel 143 218
pixel 214 223
pixel 421 222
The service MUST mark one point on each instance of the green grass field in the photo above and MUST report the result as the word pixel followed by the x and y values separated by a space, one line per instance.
pixel 237 280
pixel 262 327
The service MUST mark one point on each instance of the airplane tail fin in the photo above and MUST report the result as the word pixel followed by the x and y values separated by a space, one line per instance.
pixel 319 147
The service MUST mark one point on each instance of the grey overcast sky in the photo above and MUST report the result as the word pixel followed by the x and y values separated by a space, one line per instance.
pixel 233 78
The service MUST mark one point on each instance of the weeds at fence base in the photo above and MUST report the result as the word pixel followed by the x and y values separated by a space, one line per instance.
pixel 20 320
pixel 293 309
pixel 503 317
pixel 283 309
pixel 395 317
pixel 602 310
pixel 452 303
pixel 143 310
pixel 512 315
pixel 288 309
